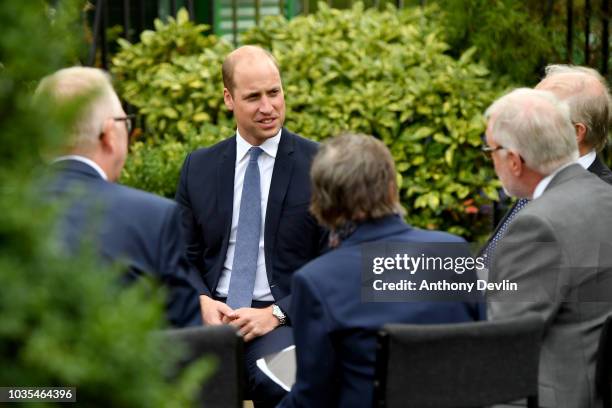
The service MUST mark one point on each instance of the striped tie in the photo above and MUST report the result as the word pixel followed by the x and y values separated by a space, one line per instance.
pixel 501 231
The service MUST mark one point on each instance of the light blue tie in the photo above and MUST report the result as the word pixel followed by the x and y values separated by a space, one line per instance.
pixel 501 231
pixel 242 279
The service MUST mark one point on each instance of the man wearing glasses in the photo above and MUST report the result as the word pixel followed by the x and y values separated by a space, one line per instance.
pixel 138 229
pixel 557 249
pixel 586 93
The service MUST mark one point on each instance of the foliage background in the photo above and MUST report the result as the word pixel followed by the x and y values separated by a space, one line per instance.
pixel 515 39
pixel 386 73
pixel 63 321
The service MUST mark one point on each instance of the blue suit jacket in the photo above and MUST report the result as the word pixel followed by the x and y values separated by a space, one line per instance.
pixel 335 332
pixel 292 237
pixel 136 228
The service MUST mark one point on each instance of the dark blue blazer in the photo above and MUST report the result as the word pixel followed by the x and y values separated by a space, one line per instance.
pixel 335 332
pixel 138 229
pixel 292 236
pixel 602 171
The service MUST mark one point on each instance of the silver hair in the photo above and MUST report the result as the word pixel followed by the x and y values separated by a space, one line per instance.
pixel 537 126
pixel 93 86
pixel 589 100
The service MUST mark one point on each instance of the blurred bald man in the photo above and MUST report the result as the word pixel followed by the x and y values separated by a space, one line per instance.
pixel 245 206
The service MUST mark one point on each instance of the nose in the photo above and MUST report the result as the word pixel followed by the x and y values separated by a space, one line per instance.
pixel 266 107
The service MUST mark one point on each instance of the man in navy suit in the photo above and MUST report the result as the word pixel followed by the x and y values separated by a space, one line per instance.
pixel 138 229
pixel 245 209
pixel 355 195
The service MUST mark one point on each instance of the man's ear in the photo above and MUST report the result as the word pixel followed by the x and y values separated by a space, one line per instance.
pixel 108 137
pixel 516 163
pixel 581 131
pixel 227 98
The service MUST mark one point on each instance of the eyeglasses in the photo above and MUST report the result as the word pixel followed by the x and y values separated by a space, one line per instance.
pixel 128 122
pixel 488 150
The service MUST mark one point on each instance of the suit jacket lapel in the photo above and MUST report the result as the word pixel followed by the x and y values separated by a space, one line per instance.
pixel 281 175
pixel 225 186
pixel 599 168
pixel 596 167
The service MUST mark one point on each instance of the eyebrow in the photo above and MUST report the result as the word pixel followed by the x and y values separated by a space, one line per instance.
pixel 257 93
pixel 251 94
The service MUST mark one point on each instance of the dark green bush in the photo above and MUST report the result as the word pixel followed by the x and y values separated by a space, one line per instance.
pixel 385 73
pixel 510 36
pixel 64 322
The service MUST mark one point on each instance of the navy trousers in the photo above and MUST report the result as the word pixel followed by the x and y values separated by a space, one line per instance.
pixel 264 392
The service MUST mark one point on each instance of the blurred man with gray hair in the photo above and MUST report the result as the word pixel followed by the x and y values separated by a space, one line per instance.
pixel 138 229
pixel 557 248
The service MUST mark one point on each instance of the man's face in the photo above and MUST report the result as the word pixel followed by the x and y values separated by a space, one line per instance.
pixel 257 100
pixel 121 142
pixel 501 163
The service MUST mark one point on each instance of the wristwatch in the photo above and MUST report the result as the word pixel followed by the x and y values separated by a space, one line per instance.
pixel 278 313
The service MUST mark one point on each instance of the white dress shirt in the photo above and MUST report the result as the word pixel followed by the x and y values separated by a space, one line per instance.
pixel 85 160
pixel 588 159
pixel 265 161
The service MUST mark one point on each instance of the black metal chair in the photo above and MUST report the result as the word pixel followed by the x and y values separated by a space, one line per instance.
pixel 458 365
pixel 603 371
pixel 225 388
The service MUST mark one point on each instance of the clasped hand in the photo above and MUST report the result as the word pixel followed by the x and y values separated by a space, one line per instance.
pixel 250 322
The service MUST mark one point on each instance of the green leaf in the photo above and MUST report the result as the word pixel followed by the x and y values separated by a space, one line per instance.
pixel 201 117
pixel 422 133
pixel 170 113
pixel 182 16
pixel 147 37
pixel 448 156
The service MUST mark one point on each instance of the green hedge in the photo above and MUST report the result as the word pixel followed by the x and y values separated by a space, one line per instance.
pixel 385 73
pixel 511 36
pixel 64 322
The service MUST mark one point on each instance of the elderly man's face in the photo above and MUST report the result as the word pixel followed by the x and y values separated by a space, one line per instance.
pixel 257 100
pixel 501 163
pixel 120 139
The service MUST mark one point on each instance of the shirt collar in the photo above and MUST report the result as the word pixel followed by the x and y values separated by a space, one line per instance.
pixel 588 159
pixel 270 146
pixel 85 160
pixel 539 190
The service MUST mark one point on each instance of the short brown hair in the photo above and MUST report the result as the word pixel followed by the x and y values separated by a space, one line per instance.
pixel 229 63
pixel 353 179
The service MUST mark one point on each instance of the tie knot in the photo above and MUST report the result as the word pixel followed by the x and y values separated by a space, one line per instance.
pixel 254 153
